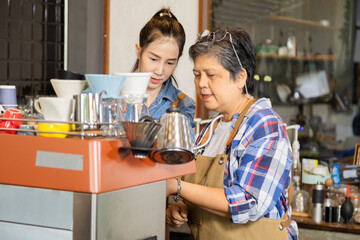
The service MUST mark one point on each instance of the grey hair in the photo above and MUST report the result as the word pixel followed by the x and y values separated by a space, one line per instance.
pixel 222 50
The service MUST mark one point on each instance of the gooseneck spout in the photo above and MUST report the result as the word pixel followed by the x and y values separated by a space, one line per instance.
pixel 210 133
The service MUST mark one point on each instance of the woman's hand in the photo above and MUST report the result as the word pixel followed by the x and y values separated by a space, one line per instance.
pixel 176 214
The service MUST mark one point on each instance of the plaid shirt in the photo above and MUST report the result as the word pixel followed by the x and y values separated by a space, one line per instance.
pixel 257 175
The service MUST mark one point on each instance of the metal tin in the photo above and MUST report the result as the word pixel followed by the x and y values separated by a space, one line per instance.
pixel 337 214
pixel 329 214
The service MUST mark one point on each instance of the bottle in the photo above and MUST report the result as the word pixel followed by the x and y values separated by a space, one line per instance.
pixel 347 208
pixel 318 202
pixel 291 44
pixel 296 166
pixel 300 200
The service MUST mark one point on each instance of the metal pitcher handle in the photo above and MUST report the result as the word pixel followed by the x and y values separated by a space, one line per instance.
pixel 210 133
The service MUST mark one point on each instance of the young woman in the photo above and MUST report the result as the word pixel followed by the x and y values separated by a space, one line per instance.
pixel 241 189
pixel 160 46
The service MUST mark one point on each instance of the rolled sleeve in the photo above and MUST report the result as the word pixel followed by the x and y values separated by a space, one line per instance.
pixel 242 209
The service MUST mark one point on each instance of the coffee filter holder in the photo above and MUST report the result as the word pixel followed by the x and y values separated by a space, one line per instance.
pixel 141 136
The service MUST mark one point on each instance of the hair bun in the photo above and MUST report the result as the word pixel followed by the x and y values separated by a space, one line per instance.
pixel 165 14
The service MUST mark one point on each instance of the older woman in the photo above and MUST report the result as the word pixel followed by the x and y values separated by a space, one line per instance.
pixel 241 187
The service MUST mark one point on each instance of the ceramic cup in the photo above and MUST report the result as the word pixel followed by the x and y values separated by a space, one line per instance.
pixel 54 108
pixel 58 130
pixel 10 113
pixel 3 108
pixel 26 127
pixel 7 97
pixel 67 88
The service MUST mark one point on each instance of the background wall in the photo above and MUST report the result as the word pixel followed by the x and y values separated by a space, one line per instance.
pixel 126 20
pixel 85 36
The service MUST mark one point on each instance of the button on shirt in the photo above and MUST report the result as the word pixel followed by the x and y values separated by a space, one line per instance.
pixel 257 174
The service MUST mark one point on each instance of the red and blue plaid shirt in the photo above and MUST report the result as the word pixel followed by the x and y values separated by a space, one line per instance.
pixel 257 175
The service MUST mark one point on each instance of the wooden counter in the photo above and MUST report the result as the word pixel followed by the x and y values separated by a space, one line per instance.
pixel 305 222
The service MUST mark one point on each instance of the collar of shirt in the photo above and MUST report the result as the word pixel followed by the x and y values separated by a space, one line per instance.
pixel 262 103
pixel 168 92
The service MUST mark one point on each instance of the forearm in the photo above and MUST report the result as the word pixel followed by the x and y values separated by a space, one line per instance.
pixel 211 199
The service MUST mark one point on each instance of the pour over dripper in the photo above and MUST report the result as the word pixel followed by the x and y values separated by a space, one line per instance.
pixel 112 84
pixel 141 136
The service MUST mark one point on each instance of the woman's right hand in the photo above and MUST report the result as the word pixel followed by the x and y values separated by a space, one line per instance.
pixel 176 214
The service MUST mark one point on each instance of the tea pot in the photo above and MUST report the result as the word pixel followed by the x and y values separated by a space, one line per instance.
pixel 174 142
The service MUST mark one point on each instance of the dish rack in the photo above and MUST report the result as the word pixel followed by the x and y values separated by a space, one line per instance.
pixel 82 133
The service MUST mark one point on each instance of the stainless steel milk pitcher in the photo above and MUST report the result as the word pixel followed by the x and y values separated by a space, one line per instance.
pixel 88 110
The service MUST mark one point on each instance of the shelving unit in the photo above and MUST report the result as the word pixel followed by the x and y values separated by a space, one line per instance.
pixel 300 58
pixel 296 22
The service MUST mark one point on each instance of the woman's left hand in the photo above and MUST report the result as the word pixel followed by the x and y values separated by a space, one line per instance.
pixel 176 214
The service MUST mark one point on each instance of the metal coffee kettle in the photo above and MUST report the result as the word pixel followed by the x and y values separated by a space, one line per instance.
pixel 174 142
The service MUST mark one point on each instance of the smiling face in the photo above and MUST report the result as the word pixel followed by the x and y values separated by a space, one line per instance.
pixel 160 57
pixel 215 87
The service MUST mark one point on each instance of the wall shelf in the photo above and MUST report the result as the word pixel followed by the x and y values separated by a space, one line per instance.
pixel 300 58
pixel 303 22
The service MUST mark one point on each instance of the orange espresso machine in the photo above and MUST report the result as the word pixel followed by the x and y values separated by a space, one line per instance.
pixel 74 189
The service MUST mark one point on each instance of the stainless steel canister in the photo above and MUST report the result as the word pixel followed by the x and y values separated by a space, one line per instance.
pixel 318 202
pixel 88 110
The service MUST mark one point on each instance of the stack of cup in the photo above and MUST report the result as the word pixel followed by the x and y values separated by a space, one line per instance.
pixel 7 97
pixel 59 110
pixel 55 110
pixel 8 108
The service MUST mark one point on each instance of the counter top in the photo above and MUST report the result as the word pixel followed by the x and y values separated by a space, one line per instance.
pixel 306 222
pixel 90 166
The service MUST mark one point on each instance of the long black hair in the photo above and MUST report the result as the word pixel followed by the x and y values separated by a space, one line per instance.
pixel 162 24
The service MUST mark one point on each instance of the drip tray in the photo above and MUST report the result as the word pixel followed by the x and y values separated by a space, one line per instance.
pixel 172 156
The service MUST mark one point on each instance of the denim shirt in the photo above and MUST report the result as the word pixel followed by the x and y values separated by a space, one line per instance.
pixel 166 97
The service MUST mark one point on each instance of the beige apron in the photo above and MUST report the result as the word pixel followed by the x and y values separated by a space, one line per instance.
pixel 205 225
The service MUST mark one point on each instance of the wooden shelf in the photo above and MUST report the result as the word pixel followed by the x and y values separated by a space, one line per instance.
pixel 306 222
pixel 302 22
pixel 301 58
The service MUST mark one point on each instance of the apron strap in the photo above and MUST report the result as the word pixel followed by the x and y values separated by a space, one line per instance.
pixel 287 222
pixel 179 98
pixel 238 122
